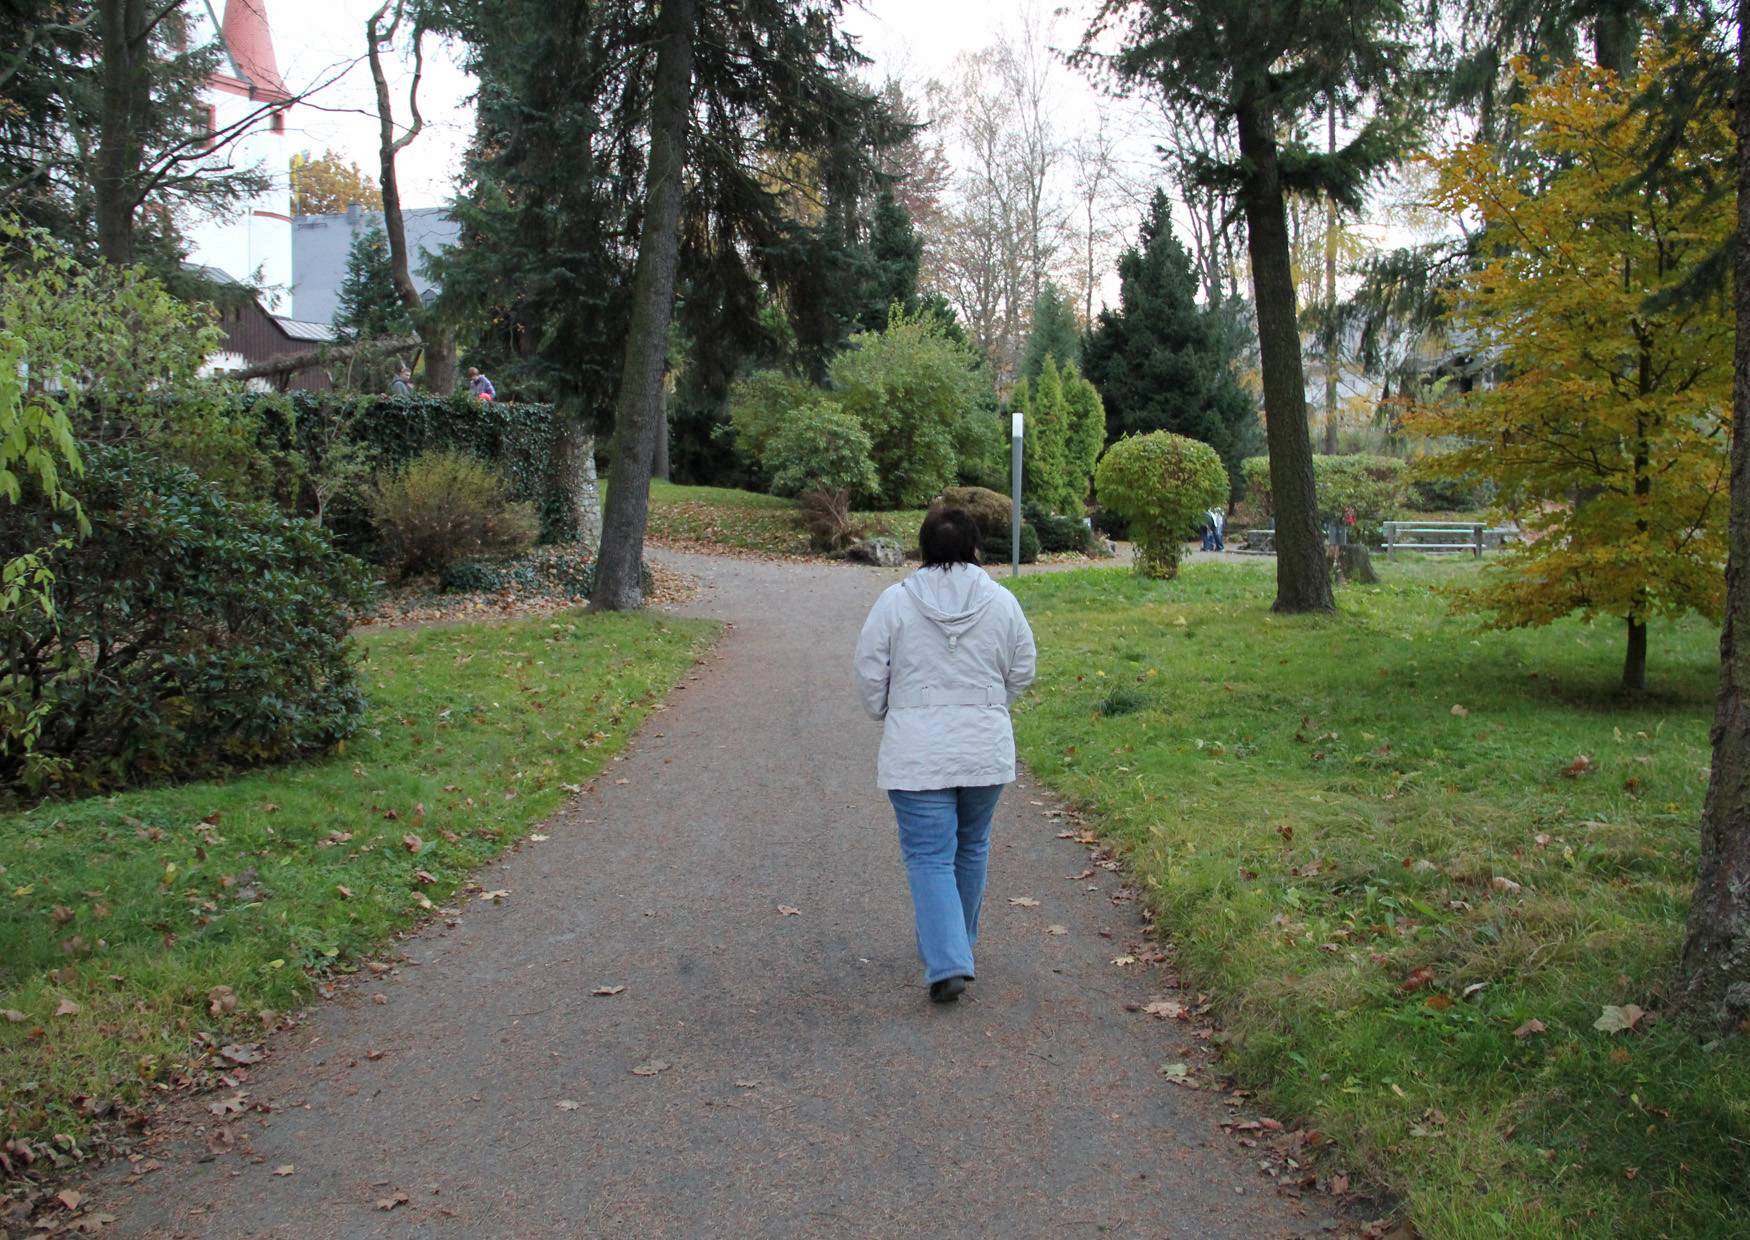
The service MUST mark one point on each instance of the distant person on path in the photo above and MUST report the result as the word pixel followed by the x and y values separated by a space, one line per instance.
pixel 402 383
pixel 479 386
pixel 1215 530
pixel 942 657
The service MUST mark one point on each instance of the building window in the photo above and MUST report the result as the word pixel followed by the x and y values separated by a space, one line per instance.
pixel 278 121
pixel 210 140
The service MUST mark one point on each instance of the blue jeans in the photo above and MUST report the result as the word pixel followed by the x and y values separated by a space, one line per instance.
pixel 944 836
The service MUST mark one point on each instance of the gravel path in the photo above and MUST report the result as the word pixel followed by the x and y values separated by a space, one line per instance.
pixel 809 1089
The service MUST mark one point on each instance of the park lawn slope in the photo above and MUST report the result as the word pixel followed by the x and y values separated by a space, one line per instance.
pixel 1385 843
pixel 120 915
pixel 748 521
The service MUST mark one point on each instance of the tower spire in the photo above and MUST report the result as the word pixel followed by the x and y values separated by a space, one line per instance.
pixel 249 41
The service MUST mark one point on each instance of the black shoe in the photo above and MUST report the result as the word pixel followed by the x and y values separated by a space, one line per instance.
pixel 948 989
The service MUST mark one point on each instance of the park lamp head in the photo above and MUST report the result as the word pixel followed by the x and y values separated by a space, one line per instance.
pixel 1015 425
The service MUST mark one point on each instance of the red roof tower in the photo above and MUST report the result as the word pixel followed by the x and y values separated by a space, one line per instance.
pixel 250 43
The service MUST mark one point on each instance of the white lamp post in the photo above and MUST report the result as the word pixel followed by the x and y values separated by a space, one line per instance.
pixel 1015 498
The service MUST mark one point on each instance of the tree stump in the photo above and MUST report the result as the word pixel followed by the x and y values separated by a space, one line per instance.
pixel 1355 565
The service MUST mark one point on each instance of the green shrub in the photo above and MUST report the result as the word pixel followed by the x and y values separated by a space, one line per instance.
pixel 1161 482
pixel 820 447
pixel 1058 533
pixel 190 634
pixel 760 405
pixel 446 506
pixel 990 510
pixel 546 572
pixel 925 400
pixel 1446 494
pixel 1373 488
pixel 998 548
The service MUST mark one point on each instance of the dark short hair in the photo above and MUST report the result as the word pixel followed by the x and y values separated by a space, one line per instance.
pixel 949 536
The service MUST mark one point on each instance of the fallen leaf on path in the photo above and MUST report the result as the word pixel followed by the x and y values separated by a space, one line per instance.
pixel 651 1068
pixel 285 1169
pixel 1166 1009
pixel 1122 961
pixel 389 1203
pixel 540 839
pixel 1057 929
pixel 607 990
pixel 566 1104
pixel 1087 873
pixel 495 896
pixel 745 1084
pixel 228 1106
pixel 1024 901
pixel 784 910
pixel 241 1054
pixel 1529 1029
pixel 69 1198
pixel 1339 1185
pixel 1175 1071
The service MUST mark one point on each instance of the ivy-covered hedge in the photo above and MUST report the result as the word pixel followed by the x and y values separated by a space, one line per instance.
pixel 523 442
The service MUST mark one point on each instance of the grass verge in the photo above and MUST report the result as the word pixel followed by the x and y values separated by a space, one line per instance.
pixel 749 521
pixel 1416 863
pixel 121 915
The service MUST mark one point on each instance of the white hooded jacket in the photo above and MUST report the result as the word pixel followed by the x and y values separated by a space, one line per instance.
pixel 942 657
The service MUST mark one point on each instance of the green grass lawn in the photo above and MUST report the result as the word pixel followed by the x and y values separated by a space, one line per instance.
pixel 120 915
pixel 1376 843
pixel 749 521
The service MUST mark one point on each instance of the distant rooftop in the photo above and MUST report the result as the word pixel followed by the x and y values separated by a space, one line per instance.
pixel 320 244
pixel 298 329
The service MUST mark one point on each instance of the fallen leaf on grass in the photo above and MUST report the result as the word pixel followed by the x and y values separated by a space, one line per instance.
pixel 607 990
pixel 1459 711
pixel 1024 901
pixel 69 1198
pixel 67 1008
pixel 412 843
pixel 1530 1029
pixel 285 1169
pixel 784 910
pixel 1579 766
pixel 1499 883
pixel 1339 1185
pixel 651 1068
pixel 567 1104
pixel 220 1000
pixel 344 890
pixel 14 1015
pixel 1613 1019
pixel 1417 979
pixel 495 897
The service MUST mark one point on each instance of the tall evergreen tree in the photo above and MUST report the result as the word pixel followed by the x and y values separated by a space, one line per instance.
pixel 1053 333
pixel 368 306
pixel 1161 361
pixel 1263 67
pixel 897 250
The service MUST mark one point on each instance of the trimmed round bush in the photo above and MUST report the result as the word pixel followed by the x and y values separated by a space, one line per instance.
pixel 820 447
pixel 446 506
pixel 997 548
pixel 990 510
pixel 191 634
pixel 1160 483
pixel 1058 533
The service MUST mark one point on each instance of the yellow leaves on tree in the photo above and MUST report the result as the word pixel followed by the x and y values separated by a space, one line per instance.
pixel 327 185
pixel 1608 436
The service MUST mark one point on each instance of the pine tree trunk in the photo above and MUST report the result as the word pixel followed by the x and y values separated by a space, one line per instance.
pixel 1303 581
pixel 638 409
pixel 1716 946
pixel 127 94
pixel 1331 338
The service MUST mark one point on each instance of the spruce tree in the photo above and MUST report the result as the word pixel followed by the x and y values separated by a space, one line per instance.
pixel 1045 447
pixel 1161 361
pixel 1086 438
pixel 369 307
pixel 1054 332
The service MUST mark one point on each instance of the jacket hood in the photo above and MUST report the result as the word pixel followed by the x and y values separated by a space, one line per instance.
pixel 953 598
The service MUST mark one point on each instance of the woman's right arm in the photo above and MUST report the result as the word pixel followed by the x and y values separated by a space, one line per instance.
pixel 874 659
pixel 1023 657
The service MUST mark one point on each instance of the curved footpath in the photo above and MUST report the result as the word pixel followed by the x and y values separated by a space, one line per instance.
pixel 809 1089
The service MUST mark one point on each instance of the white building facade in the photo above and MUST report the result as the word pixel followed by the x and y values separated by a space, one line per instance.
pixel 253 243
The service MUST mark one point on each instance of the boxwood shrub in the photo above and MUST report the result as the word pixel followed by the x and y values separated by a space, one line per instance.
pixel 191 634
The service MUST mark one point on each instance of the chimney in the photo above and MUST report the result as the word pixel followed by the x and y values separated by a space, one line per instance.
pixel 353 212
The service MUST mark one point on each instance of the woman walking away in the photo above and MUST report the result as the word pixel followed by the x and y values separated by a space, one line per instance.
pixel 943 656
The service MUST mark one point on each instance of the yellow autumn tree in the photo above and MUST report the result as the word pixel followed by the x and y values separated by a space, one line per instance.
pixel 329 184
pixel 1608 434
